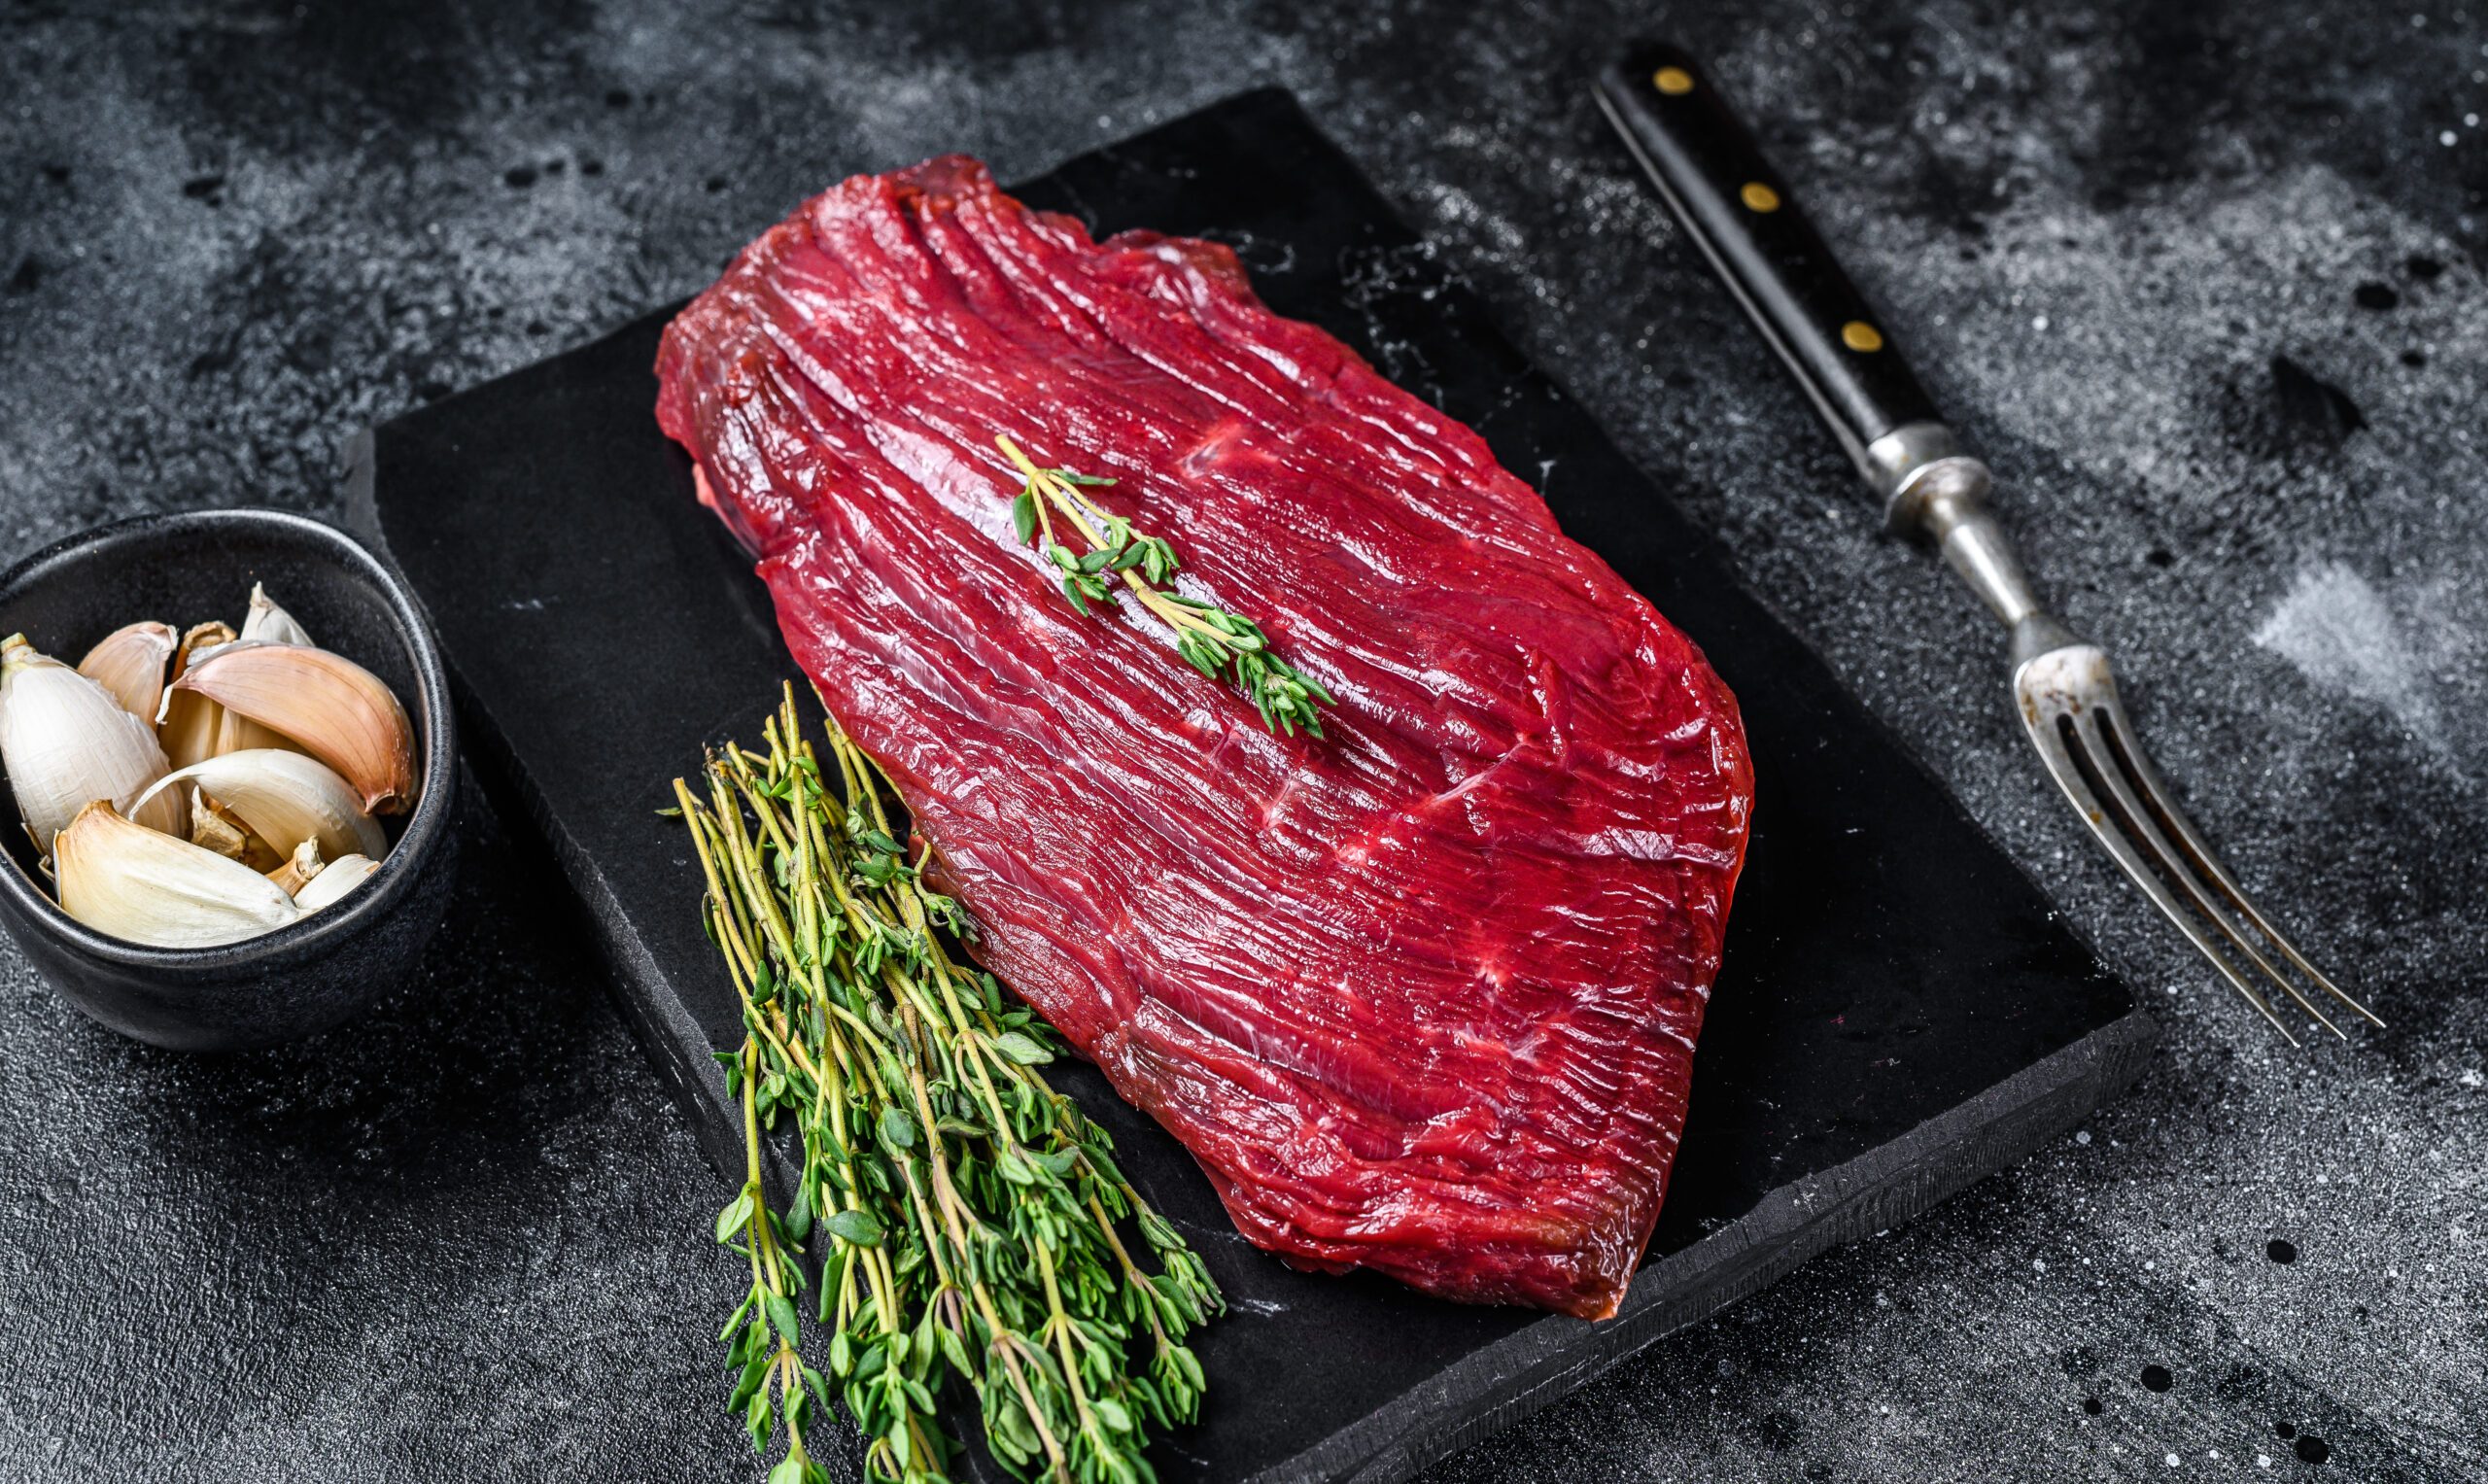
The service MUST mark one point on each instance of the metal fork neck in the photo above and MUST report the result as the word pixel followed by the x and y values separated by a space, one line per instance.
pixel 1935 492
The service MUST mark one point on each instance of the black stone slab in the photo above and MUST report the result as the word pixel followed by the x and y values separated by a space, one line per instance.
pixel 1900 1012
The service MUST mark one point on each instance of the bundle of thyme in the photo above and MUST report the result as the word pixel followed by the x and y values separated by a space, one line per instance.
pixel 1210 639
pixel 965 1217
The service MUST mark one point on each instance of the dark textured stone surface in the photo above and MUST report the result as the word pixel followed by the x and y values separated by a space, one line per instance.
pixel 2207 282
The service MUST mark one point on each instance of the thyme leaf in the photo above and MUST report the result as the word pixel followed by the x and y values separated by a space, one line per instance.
pixel 963 1219
pixel 1051 510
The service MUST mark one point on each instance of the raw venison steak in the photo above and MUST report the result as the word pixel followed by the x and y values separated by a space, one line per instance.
pixel 1421 996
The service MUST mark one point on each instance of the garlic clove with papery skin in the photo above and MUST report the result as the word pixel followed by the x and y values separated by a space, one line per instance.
pixel 212 831
pixel 264 624
pixel 66 742
pixel 300 868
pixel 138 884
pixel 339 712
pixel 269 626
pixel 336 879
pixel 285 799
pixel 129 663
pixel 187 724
pixel 237 733
pixel 269 623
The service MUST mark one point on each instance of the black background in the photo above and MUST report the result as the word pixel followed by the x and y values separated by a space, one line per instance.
pixel 2202 281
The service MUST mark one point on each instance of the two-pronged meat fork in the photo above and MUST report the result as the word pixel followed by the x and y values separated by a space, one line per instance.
pixel 1737 210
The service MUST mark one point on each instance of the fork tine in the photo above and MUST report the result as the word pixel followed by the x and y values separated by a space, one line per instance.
pixel 2068 770
pixel 2173 820
pixel 2145 813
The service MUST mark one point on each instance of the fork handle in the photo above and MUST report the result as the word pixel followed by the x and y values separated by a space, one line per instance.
pixel 1742 215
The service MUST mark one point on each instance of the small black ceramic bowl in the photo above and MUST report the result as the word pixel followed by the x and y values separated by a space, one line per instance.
pixel 320 972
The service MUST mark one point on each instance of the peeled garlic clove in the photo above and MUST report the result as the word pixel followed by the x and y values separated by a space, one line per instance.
pixel 138 884
pixel 130 663
pixel 266 621
pixel 340 712
pixel 187 724
pixel 337 877
pixel 285 799
pixel 212 831
pixel 67 743
pixel 298 870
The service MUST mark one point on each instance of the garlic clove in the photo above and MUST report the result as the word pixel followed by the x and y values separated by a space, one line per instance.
pixel 237 733
pixel 212 831
pixel 340 712
pixel 270 623
pixel 67 743
pixel 300 868
pixel 258 853
pixel 187 723
pixel 131 664
pixel 337 877
pixel 265 624
pixel 285 799
pixel 147 887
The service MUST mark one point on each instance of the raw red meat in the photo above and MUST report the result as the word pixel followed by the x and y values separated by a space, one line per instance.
pixel 1420 997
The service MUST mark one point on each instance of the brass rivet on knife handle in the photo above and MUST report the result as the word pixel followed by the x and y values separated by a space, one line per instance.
pixel 1733 208
pixel 1861 337
pixel 1675 81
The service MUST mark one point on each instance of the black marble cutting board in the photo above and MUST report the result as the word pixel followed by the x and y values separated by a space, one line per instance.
pixel 1900 1012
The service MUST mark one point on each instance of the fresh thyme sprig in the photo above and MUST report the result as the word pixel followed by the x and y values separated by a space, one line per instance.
pixel 964 1215
pixel 1211 640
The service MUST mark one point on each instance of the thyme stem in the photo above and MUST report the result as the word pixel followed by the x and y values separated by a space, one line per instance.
pixel 1211 640
pixel 966 1216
